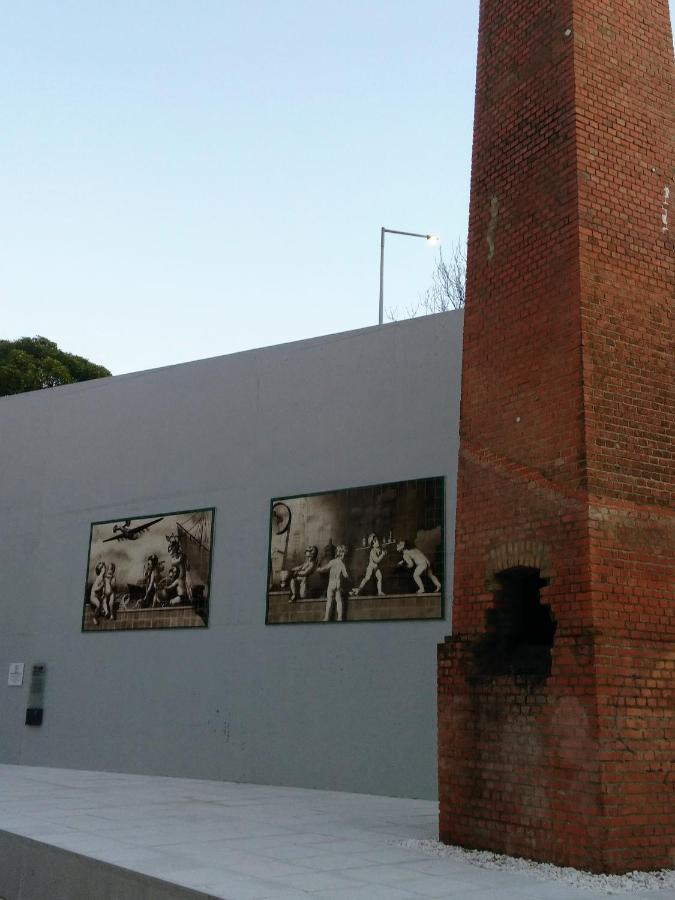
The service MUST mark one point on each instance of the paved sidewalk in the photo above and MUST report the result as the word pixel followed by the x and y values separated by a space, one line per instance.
pixel 251 842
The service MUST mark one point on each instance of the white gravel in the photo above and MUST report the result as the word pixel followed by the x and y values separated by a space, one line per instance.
pixel 600 884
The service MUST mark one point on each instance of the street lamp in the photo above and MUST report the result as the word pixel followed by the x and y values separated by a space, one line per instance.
pixel 430 238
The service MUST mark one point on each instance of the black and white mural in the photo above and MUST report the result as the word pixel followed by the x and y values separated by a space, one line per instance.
pixel 149 572
pixel 358 554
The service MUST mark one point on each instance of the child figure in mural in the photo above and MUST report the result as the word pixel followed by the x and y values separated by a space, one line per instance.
pixel 337 571
pixel 413 558
pixel 97 593
pixel 377 554
pixel 182 580
pixel 110 590
pixel 151 575
pixel 300 574
pixel 176 590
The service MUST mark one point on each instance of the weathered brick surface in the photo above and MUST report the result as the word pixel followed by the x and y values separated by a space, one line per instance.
pixel 566 458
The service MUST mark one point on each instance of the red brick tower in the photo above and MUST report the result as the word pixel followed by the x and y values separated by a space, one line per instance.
pixel 557 688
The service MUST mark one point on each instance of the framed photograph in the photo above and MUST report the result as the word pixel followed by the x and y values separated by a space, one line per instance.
pixel 149 572
pixel 360 554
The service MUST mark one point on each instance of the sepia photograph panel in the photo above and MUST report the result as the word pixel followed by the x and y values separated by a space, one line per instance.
pixel 149 572
pixel 370 553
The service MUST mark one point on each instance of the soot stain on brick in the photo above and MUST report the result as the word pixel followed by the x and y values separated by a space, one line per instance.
pixel 520 629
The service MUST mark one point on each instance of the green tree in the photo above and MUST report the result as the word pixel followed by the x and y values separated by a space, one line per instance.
pixel 29 364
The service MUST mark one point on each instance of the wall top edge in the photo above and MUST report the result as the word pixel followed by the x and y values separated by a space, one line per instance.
pixel 298 346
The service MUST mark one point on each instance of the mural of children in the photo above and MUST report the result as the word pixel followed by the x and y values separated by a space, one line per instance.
pixel 97 593
pixel 337 571
pixel 377 554
pixel 413 558
pixel 300 574
pixel 110 589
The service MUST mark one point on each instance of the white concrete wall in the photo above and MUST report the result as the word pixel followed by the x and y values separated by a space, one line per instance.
pixel 345 707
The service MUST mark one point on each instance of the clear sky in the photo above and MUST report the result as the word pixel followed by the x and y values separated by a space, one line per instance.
pixel 185 179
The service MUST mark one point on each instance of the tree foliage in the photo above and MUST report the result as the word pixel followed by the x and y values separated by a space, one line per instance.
pixel 29 364
pixel 446 291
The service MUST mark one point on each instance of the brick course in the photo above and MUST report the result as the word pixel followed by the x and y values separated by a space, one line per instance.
pixel 566 453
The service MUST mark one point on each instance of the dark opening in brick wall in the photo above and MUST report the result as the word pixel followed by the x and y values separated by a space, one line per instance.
pixel 520 628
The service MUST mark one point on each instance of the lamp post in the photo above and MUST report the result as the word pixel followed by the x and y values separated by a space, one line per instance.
pixel 430 238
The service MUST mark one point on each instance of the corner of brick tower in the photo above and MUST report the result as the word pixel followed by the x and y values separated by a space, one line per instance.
pixel 557 687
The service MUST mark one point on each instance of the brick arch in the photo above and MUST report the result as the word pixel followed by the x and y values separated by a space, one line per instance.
pixel 514 554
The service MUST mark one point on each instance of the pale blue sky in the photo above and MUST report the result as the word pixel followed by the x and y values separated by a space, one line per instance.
pixel 185 179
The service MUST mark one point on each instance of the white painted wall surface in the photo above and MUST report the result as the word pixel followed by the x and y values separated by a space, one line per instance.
pixel 347 706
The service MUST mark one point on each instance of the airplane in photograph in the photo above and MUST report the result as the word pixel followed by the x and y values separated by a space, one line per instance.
pixel 126 533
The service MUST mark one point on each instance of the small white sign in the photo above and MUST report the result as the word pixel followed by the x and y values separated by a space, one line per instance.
pixel 15 677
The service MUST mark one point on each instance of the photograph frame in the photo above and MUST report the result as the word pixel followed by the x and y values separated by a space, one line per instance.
pixel 372 486
pixel 127 520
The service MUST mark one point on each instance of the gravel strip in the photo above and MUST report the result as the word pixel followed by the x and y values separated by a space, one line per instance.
pixel 601 884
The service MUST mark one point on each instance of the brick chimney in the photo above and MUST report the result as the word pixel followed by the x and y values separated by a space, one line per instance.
pixel 557 687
